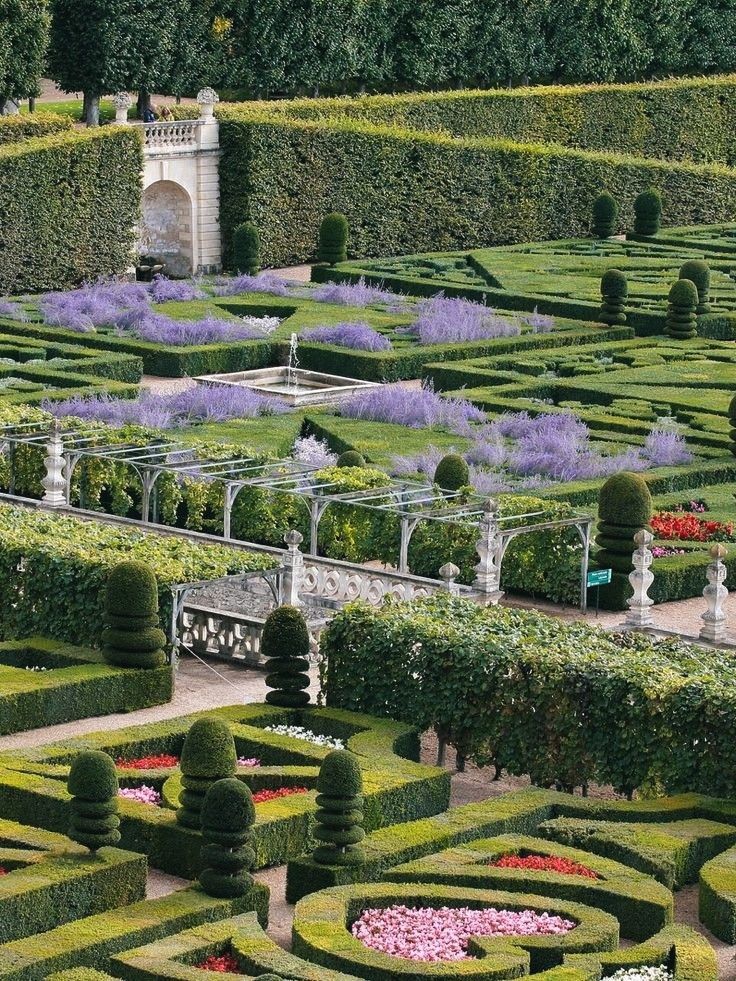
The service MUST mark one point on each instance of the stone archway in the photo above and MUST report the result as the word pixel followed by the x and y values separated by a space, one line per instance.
pixel 166 227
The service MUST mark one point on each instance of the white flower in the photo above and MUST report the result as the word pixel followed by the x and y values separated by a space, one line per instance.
pixel 266 324
pixel 297 732
pixel 314 452
pixel 661 973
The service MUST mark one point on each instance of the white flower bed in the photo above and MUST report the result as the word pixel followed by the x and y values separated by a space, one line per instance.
pixel 298 732
pixel 660 973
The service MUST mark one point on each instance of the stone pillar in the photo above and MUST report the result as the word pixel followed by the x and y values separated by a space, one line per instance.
pixel 449 574
pixel 54 483
pixel 489 548
pixel 716 594
pixel 122 102
pixel 294 571
pixel 206 199
pixel 640 604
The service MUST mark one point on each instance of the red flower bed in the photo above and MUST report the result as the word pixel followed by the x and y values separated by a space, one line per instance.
pixel 163 761
pixel 544 863
pixel 261 796
pixel 227 964
pixel 689 528
pixel 3 871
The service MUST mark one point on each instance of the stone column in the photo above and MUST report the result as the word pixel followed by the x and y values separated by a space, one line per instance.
pixel 122 102
pixel 716 594
pixel 449 574
pixel 489 545
pixel 54 483
pixel 294 569
pixel 640 604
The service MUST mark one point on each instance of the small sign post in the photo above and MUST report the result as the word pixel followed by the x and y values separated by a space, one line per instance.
pixel 598 578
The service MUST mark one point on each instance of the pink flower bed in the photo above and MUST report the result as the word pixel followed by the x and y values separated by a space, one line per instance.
pixel 426 934
pixel 144 795
pixel 248 761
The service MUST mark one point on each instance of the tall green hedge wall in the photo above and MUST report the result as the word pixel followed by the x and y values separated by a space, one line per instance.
pixel 15 128
pixel 69 204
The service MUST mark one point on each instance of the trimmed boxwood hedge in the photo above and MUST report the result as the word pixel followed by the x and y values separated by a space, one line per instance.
pixel 684 951
pixel 717 897
pixel 13 129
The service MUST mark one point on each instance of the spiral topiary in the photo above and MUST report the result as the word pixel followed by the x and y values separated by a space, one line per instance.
pixel 648 212
pixel 132 637
pixel 93 784
pixel 247 249
pixel 208 755
pixel 698 272
pixel 452 473
pixel 682 322
pixel 333 239
pixel 605 215
pixel 351 458
pixel 228 815
pixel 339 815
pixel 285 644
pixel 614 290
pixel 624 507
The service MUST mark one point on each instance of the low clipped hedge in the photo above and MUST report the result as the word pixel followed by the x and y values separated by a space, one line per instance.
pixel 717 896
pixel 685 952
pixel 13 129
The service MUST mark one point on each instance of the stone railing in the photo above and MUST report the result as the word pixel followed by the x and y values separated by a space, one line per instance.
pixel 179 133
pixel 340 585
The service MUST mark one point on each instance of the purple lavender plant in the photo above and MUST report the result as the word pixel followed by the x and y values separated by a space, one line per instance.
pixel 540 323
pixel 358 294
pixel 417 409
pixel 314 452
pixel 163 289
pixel 163 330
pixel 12 310
pixel 449 320
pixel 99 305
pixel 265 282
pixel 665 447
pixel 358 336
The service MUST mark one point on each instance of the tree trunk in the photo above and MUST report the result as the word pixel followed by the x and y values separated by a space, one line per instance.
pixel 144 102
pixel 93 110
pixel 32 104
pixel 85 107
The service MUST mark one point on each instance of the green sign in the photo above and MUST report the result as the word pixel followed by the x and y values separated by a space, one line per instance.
pixel 599 577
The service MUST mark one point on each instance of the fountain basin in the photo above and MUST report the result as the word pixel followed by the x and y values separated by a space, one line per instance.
pixel 295 386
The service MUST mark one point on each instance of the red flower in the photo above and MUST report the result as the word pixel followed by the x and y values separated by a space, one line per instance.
pixel 227 964
pixel 689 528
pixel 164 761
pixel 261 796
pixel 544 863
pixel 3 871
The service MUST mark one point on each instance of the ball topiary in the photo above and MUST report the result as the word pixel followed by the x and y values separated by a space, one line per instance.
pixel 333 239
pixel 698 272
pixel 228 815
pixel 605 215
pixel 614 290
pixel 285 644
pixel 246 249
pixel 339 816
pixel 452 473
pixel 93 784
pixel 132 637
pixel 648 212
pixel 208 755
pixel 682 322
pixel 351 458
pixel 624 507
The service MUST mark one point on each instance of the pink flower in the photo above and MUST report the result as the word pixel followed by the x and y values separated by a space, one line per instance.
pixel 143 795
pixel 248 761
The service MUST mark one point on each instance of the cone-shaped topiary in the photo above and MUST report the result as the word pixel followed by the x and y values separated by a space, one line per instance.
pixel 246 249
pixel 682 322
pixel 452 473
pixel 605 215
pixel 93 784
pixel 228 815
pixel 285 644
pixel 208 755
pixel 132 637
pixel 624 507
pixel 648 212
pixel 614 290
pixel 351 458
pixel 333 239
pixel 698 272
pixel 732 420
pixel 339 815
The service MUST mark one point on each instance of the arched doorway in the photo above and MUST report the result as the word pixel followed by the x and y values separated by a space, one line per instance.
pixel 166 227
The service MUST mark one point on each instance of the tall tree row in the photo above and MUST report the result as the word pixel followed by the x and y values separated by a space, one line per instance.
pixel 24 35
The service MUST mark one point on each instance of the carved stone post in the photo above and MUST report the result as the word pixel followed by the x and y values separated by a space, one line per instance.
pixel 716 594
pixel 207 99
pixel 294 571
pixel 489 548
pixel 640 604
pixel 122 102
pixel 449 574
pixel 54 483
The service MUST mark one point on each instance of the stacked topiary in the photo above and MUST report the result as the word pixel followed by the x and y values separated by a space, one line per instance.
pixel 208 755
pixel 246 249
pixel 648 212
pixel 682 322
pixel 228 815
pixel 624 507
pixel 333 239
pixel 351 458
pixel 732 420
pixel 132 637
pixel 93 784
pixel 605 215
pixel 614 290
pixel 285 644
pixel 452 473
pixel 698 272
pixel 339 815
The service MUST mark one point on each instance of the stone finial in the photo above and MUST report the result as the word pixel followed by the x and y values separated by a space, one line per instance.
pixel 490 506
pixel 718 551
pixel 715 594
pixel 122 102
pixel 293 538
pixel 449 573
pixel 643 537
pixel 207 99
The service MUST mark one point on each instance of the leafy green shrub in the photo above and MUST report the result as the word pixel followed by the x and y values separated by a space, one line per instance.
pixel 614 290
pixel 228 815
pixel 698 272
pixel 246 249
pixel 624 507
pixel 285 645
pixel 682 322
pixel 452 473
pixel 605 215
pixel 93 784
pixel 339 815
pixel 351 458
pixel 208 755
pixel 132 637
pixel 648 212
pixel 24 127
pixel 718 326
pixel 333 239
